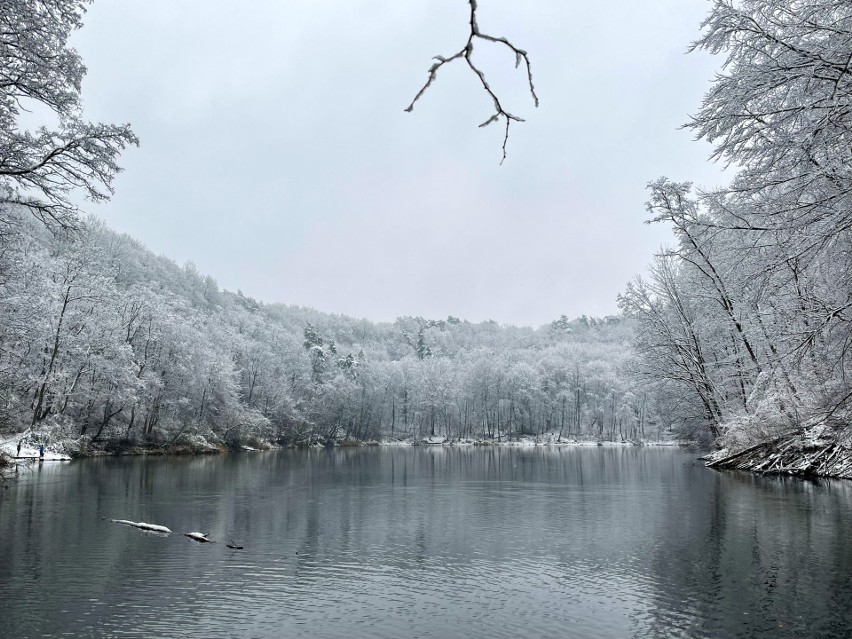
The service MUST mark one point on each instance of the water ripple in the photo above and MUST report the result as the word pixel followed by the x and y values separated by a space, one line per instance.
pixel 406 543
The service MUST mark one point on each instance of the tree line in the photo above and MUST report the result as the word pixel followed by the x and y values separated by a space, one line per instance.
pixel 104 343
pixel 744 326
pixel 741 331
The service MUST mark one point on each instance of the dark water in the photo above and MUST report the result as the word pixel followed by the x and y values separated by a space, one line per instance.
pixel 570 542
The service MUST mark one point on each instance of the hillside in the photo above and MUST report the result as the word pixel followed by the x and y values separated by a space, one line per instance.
pixel 106 346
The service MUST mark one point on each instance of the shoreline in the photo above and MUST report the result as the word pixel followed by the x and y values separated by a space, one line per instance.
pixel 796 455
pixel 28 454
pixel 807 455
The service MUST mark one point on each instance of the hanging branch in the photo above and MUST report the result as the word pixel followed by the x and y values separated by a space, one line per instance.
pixel 466 53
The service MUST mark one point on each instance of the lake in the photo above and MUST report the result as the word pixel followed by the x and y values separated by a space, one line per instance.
pixel 424 542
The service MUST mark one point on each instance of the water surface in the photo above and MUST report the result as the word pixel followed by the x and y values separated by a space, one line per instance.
pixel 425 542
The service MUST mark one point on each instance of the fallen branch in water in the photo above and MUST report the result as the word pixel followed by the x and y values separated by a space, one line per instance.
pixel 729 458
pixel 799 454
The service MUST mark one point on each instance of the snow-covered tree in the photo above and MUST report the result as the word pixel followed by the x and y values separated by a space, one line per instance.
pixel 42 163
pixel 750 314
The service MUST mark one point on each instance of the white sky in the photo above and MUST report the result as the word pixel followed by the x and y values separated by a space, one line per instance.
pixel 277 157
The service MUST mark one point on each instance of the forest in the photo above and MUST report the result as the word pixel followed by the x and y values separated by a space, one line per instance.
pixel 747 319
pixel 107 346
pixel 739 334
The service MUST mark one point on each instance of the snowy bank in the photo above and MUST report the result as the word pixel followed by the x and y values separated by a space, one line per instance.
pixel 28 453
pixel 812 453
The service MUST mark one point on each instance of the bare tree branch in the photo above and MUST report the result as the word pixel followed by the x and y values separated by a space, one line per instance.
pixel 466 53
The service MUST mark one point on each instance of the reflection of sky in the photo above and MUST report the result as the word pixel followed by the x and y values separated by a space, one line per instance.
pixel 472 542
pixel 276 154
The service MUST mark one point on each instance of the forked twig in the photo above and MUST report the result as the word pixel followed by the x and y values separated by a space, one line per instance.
pixel 466 53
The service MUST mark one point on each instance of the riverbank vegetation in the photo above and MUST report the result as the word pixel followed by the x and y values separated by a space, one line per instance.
pixel 747 321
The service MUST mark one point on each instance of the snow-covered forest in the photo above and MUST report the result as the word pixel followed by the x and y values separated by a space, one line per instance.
pixel 747 319
pixel 740 333
pixel 106 344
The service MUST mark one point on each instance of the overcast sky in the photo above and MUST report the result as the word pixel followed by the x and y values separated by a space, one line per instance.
pixel 277 157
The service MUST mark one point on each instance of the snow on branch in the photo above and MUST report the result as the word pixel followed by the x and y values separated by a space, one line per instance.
pixel 466 54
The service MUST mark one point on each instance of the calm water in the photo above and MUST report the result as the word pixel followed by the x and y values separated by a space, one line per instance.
pixel 570 542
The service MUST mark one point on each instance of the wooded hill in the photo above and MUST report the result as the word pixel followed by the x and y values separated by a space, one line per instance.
pixel 740 334
pixel 107 345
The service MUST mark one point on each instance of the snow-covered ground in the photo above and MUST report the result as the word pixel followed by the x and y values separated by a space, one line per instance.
pixel 10 447
pixel 30 451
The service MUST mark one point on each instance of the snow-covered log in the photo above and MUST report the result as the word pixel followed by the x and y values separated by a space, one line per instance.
pixel 199 536
pixel 142 525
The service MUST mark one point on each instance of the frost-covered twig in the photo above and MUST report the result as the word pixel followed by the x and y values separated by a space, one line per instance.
pixel 466 53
